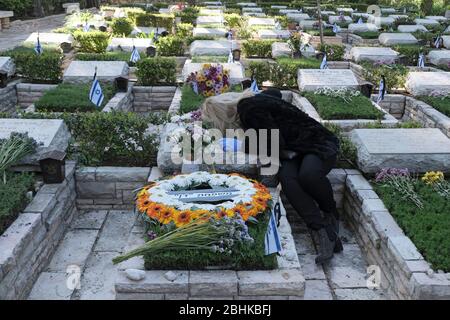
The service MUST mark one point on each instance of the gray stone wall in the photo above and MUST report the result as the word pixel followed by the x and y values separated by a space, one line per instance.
pixel 392 103
pixel 148 99
pixel 28 244
pixel 8 97
pixel 122 101
pixel 404 273
pixel 109 187
pixel 29 93
pixel 356 40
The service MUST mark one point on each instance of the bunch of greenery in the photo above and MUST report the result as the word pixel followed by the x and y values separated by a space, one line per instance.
pixel 335 52
pixel 107 56
pixel 156 71
pixel 92 41
pixel 155 20
pixel 368 34
pixel 284 72
pixel 188 15
pixel 411 52
pixel 257 48
pixel 233 20
pixel 347 152
pixel 122 26
pixel 442 103
pixel 184 30
pixel 395 74
pixel 170 46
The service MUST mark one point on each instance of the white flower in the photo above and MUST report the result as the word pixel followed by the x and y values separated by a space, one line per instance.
pixel 175 118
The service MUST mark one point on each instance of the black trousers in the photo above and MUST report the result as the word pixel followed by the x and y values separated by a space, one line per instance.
pixel 305 183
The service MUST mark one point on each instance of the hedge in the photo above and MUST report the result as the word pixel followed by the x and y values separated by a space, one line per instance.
pixel 442 104
pixel 155 20
pixel 411 52
pixel 257 48
pixel 395 74
pixel 92 41
pixel 170 46
pixel 156 71
pixel 335 52
pixel 107 56
pixel 122 26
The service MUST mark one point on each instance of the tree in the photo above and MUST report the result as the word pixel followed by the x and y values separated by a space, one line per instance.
pixel 319 12
pixel 38 8
pixel 426 7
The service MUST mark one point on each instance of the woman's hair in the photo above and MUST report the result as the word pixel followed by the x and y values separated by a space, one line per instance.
pixel 221 110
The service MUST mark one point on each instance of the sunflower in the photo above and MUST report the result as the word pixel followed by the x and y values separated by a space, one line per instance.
pixel 154 210
pixel 222 213
pixel 143 204
pixel 239 209
pixel 183 217
pixel 166 215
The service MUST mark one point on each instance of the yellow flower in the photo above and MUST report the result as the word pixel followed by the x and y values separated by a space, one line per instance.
pixel 183 217
pixel 432 177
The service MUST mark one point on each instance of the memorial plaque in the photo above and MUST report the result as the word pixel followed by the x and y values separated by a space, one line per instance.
pixel 427 22
pixel 313 79
pixel 83 71
pixel 386 55
pixel 389 39
pixel 209 20
pixel 424 83
pixel 274 34
pixel 439 57
pixel 210 48
pixel 419 150
pixel 411 28
pixel 205 195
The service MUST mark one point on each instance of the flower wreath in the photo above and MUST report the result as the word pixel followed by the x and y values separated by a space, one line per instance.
pixel 155 202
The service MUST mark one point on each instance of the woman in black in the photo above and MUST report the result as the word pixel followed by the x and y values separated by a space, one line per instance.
pixel 308 152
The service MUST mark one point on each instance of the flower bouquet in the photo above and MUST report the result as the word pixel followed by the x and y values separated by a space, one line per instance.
pixel 211 80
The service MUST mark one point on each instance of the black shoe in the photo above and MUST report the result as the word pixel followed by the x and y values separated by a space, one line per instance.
pixel 338 247
pixel 327 239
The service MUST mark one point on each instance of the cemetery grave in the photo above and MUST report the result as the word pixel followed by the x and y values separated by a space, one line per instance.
pixel 99 107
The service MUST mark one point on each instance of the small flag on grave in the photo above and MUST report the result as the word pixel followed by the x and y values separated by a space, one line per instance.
pixel 230 57
pixel 437 42
pixel 96 94
pixel 360 21
pixel 254 85
pixel 38 48
pixel 382 89
pixel 86 27
pixel 272 242
pixel 421 61
pixel 336 28
pixel 135 56
pixel 324 64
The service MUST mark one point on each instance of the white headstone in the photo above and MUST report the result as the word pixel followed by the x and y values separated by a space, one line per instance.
pixel 49 38
pixel 349 10
pixel 388 10
pixel 6 14
pixel 360 15
pixel 411 28
pixel 424 83
pixel 254 14
pixel 210 48
pixel 83 71
pixel 252 9
pixel 437 18
pixel 313 79
pixel 298 16
pixel 277 7
pixel 426 22
pixel 281 49
pixel 439 57
pixel 247 4
pixel 126 44
pixel 209 20
pixel 51 134
pixel 385 55
pixel 210 12
pixel 7 66
pixel 362 27
pixel 261 22
pixel 236 70
pixel 286 11
pixel 327 13
pixel 446 41
pixel 338 19
pixel 209 32
pixel 419 150
pixel 274 34
pixel 389 39
pixel 147 30
pixel 381 21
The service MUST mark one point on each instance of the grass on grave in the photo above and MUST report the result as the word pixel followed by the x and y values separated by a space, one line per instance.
pixel 190 101
pixel 368 34
pixel 246 256
pixel 331 108
pixel 106 56
pixel 428 228
pixel 209 59
pixel 71 98
pixel 13 197
pixel 442 104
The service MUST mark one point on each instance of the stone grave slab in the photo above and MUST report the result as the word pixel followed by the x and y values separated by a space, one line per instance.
pixel 447 14
pixel 126 44
pixel 209 32
pixel 437 18
pixel 337 19
pixel 281 49
pixel 389 39
pixel 51 134
pixel 426 22
pixel 424 83
pixel 50 38
pixel 446 41
pixel 286 11
pixel 386 55
pixel 388 10
pixel 398 16
pixel 237 73
pixel 261 21
pixel 254 14
pixel 439 57
pixel 447 30
pixel 71 7
pixel 83 71
pixel 412 28
pixel 349 10
pixel 209 20
pixel 297 17
pixel 328 13
pixel 274 6
pixel 379 21
pixel 212 3
pixel 252 9
pixel 7 66
pixel 273 34
pixel 309 24
pixel 419 150
pixel 6 14
pixel 210 12
pixel 313 79
pixel 362 27
pixel 247 4
pixel 210 48
pixel 360 15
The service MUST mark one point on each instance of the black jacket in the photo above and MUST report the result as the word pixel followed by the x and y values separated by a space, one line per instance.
pixel 298 131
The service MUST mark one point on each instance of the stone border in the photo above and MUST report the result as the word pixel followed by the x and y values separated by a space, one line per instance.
pixel 355 40
pixel 102 188
pixel 28 244
pixel 29 93
pixel 404 272
pixel 122 101
pixel 148 99
pixel 347 125
pixel 8 97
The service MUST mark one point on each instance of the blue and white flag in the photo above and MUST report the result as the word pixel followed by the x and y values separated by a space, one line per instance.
pixel 324 64
pixel 38 48
pixel 437 42
pixel 272 242
pixel 336 28
pixel 230 35
pixel 96 94
pixel 230 57
pixel 421 61
pixel 360 20
pixel 254 86
pixel 381 90
pixel 86 27
pixel 135 56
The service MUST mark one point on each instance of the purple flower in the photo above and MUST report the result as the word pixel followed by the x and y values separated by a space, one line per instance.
pixel 151 235
pixel 386 173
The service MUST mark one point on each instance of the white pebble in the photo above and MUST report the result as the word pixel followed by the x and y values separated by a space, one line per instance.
pixel 135 274
pixel 171 276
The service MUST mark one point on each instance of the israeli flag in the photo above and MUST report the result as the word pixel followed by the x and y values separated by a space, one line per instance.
pixel 336 28
pixel 38 48
pixel 254 86
pixel 381 90
pixel 230 57
pixel 135 56
pixel 421 62
pixel 86 27
pixel 360 21
pixel 324 64
pixel 437 42
pixel 229 35
pixel 96 94
pixel 195 86
pixel 277 26
pixel 272 242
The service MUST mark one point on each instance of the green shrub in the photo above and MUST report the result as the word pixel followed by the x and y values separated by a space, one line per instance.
pixel 403 21
pixel 347 152
pixel 71 98
pixel 257 48
pixel 92 41
pixel 44 68
pixel 284 73
pixel 395 74
pixel 122 26
pixel 411 52
pixel 188 15
pixel 155 20
pixel 335 52
pixel 368 34
pixel 20 8
pixel 209 59
pixel 442 104
pixel 233 20
pixel 13 197
pixel 261 70
pixel 107 56
pixel 132 13
pixel 170 46
pixel 190 101
pixel 332 108
pixel 156 71
pixel 326 32
pixel 184 30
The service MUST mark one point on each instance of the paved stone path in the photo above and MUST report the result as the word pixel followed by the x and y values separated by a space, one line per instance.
pixel 95 237
pixel 21 30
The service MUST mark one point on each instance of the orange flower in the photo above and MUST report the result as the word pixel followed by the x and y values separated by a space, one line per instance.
pixel 222 213
pixel 166 215
pixel 154 210
pixel 239 209
pixel 143 204
pixel 203 214
pixel 183 217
